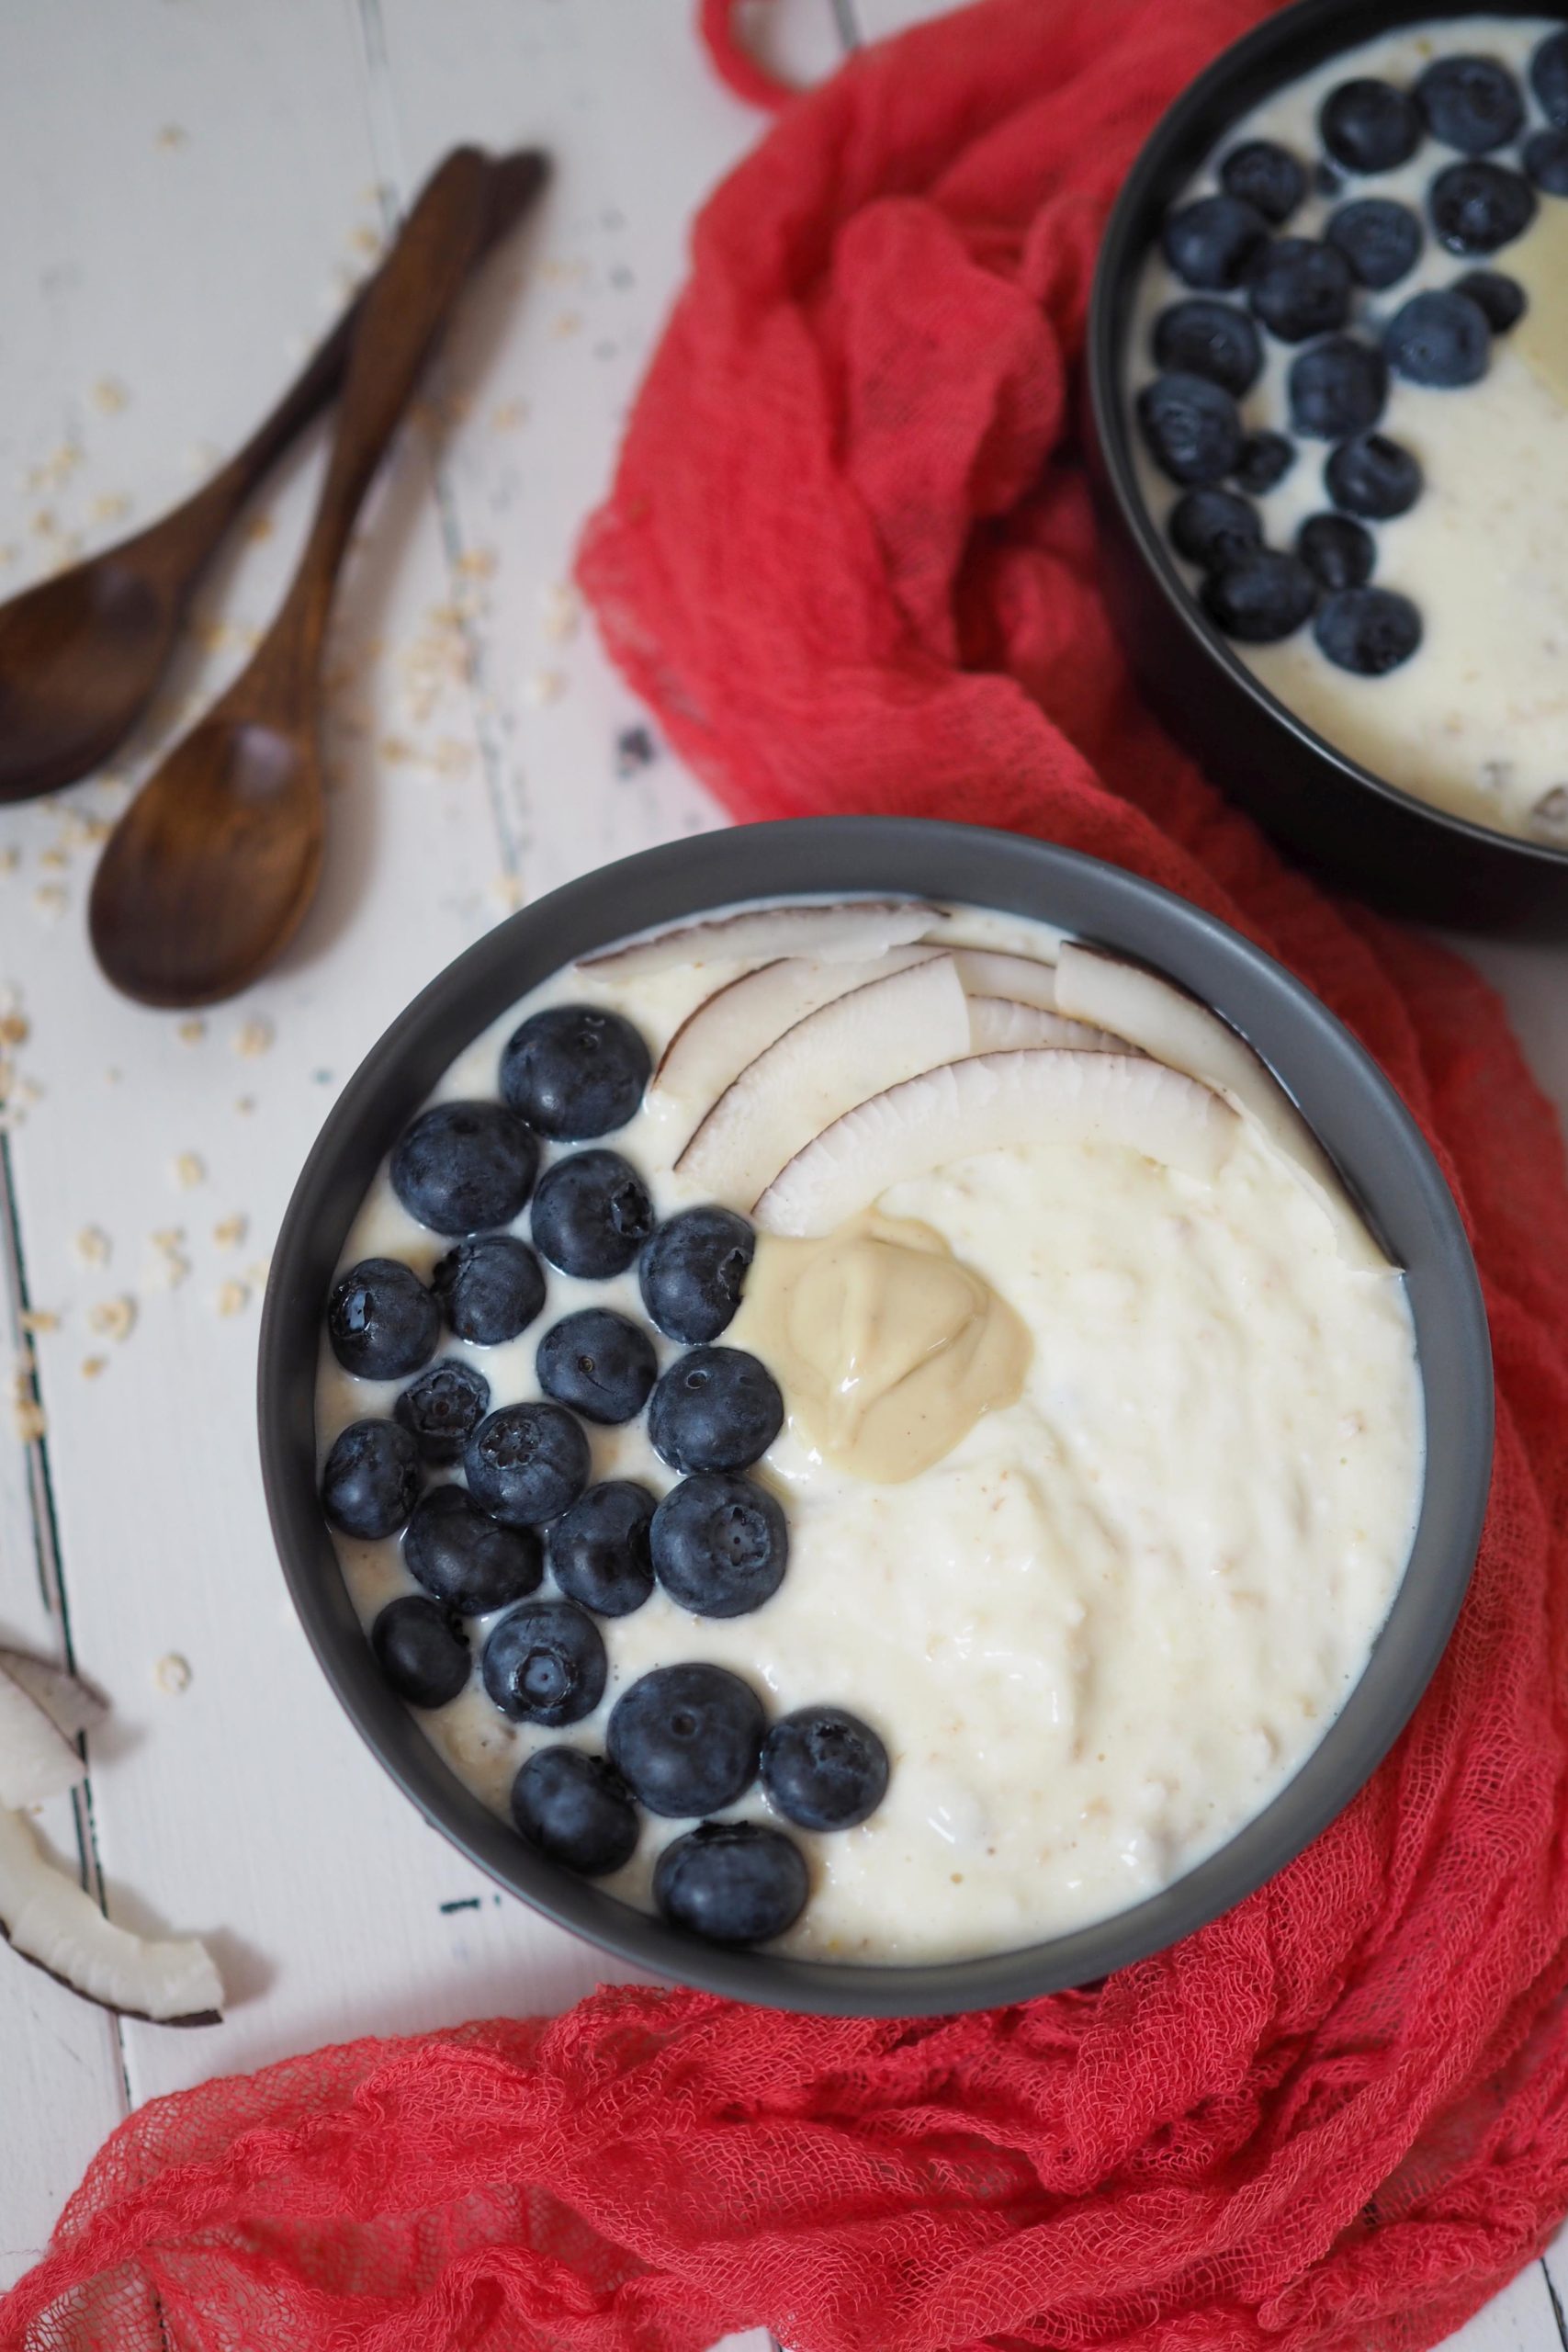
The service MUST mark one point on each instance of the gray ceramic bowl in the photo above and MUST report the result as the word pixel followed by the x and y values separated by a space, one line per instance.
pixel 1355 1112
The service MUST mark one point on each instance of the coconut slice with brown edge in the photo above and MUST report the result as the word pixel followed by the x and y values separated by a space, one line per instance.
pixel 1000 1024
pixel 71 1705
pixel 1152 1011
pixel 36 1761
pixel 48 1919
pixel 846 931
pixel 740 1020
pixel 1026 979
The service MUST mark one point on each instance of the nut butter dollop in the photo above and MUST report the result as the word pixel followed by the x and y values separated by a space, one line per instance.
pixel 886 1349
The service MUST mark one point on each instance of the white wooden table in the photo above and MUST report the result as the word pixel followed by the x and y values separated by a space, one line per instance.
pixel 190 189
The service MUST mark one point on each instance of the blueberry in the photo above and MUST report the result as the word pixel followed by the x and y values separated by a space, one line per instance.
pixel 824 1769
pixel 1214 526
pixel 490 1289
pixel 1548 76
pixel 693 1273
pixel 1210 244
pixel 465 1165
pixel 467 1560
pixel 544 1662
pixel 576 1809
pixel 716 1408
pixel 527 1463
pixel 575 1070
pixel 1266 458
pixel 601 1364
pixel 599 1552
pixel 731 1882
pixel 1370 631
pixel 1476 208
pixel 444 1407
pixel 421 1653
pixel 1212 339
pixel 381 1320
pixel 719 1545
pixel 1546 161
pixel 1500 300
pixel 1190 425
pixel 1337 386
pixel 1337 551
pixel 1266 177
pixel 370 1482
pixel 1300 288
pixel 1470 102
pixel 1260 597
pixel 1379 239
pixel 1369 126
pixel 1373 477
pixel 591 1215
pixel 687 1738
pixel 1439 338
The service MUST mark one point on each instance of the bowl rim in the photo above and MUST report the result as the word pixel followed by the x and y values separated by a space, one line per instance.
pixel 1187 130
pixel 1358 1116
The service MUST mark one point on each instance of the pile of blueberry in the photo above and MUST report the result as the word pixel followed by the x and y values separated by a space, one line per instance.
pixel 686 1740
pixel 1303 290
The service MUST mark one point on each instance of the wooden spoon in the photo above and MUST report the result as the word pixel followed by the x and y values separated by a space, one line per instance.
pixel 209 871
pixel 81 653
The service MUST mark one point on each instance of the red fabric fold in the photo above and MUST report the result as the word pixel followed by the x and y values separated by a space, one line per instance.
pixel 850 560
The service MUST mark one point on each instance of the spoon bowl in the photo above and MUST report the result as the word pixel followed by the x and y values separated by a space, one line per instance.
pixel 80 657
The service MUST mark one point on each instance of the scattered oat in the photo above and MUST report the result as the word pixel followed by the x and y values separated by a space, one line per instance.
pixel 366 241
pixel 396 749
pixel 10 858
pixel 451 758
pixel 170 1264
pixel 508 890
pixel 565 323
pixel 27 1415
pixel 478 564
pixel 543 687
pixel 244 1104
pixel 191 1032
pixel 34 1319
pixel 233 1297
pixel 8 554
pixel 112 506
pixel 507 415
pixel 91 1246
pixel 171 138
pixel 49 900
pixel 171 1673
pixel 113 1318
pixel 55 858
pixel 109 395
pixel 230 1231
pixel 15 1029
pixel 81 832
pixel 46 524
pixel 563 612
pixel 254 1037
pixel 259 527
pixel 188 1169
pixel 92 1366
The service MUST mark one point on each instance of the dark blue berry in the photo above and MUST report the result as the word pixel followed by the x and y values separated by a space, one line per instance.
pixel 694 1270
pixel 687 1738
pixel 1337 386
pixel 1546 161
pixel 421 1653
pixel 716 1408
pixel 490 1288
pixel 1476 208
pixel 1214 526
pixel 1337 551
pixel 1300 288
pixel 1470 102
pixel 719 1545
pixel 371 1479
pixel 444 1407
pixel 574 1071
pixel 599 1551
pixel 1209 338
pixel 1261 597
pixel 1439 338
pixel 591 1215
pixel 732 1883
pixel 1370 631
pixel 465 1165
pixel 1500 300
pixel 824 1769
pixel 602 1364
pixel 382 1322
pixel 1192 427
pixel 1373 477
pixel 467 1560
pixel 1266 177
pixel 1548 76
pixel 1380 240
pixel 1369 126
pixel 1266 458
pixel 1210 244
pixel 576 1809
pixel 527 1463
pixel 544 1662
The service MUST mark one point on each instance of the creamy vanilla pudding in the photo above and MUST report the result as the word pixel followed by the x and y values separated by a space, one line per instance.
pixel 1094 1467
pixel 1379 252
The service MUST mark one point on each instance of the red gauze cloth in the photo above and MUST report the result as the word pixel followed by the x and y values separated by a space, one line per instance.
pixel 850 560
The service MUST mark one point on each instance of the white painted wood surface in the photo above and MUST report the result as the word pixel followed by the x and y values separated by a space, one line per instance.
pixel 192 185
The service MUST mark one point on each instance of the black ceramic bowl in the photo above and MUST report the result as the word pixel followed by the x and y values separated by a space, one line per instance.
pixel 1354 1111
pixel 1334 814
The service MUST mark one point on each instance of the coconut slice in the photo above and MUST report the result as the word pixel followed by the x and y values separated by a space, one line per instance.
pixel 36 1760
pixel 1180 1030
pixel 851 932
pixel 837 1055
pixel 69 1702
pixel 48 1919
pixel 740 1020
pixel 986 1103
pixel 1000 1024
pixel 1025 979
